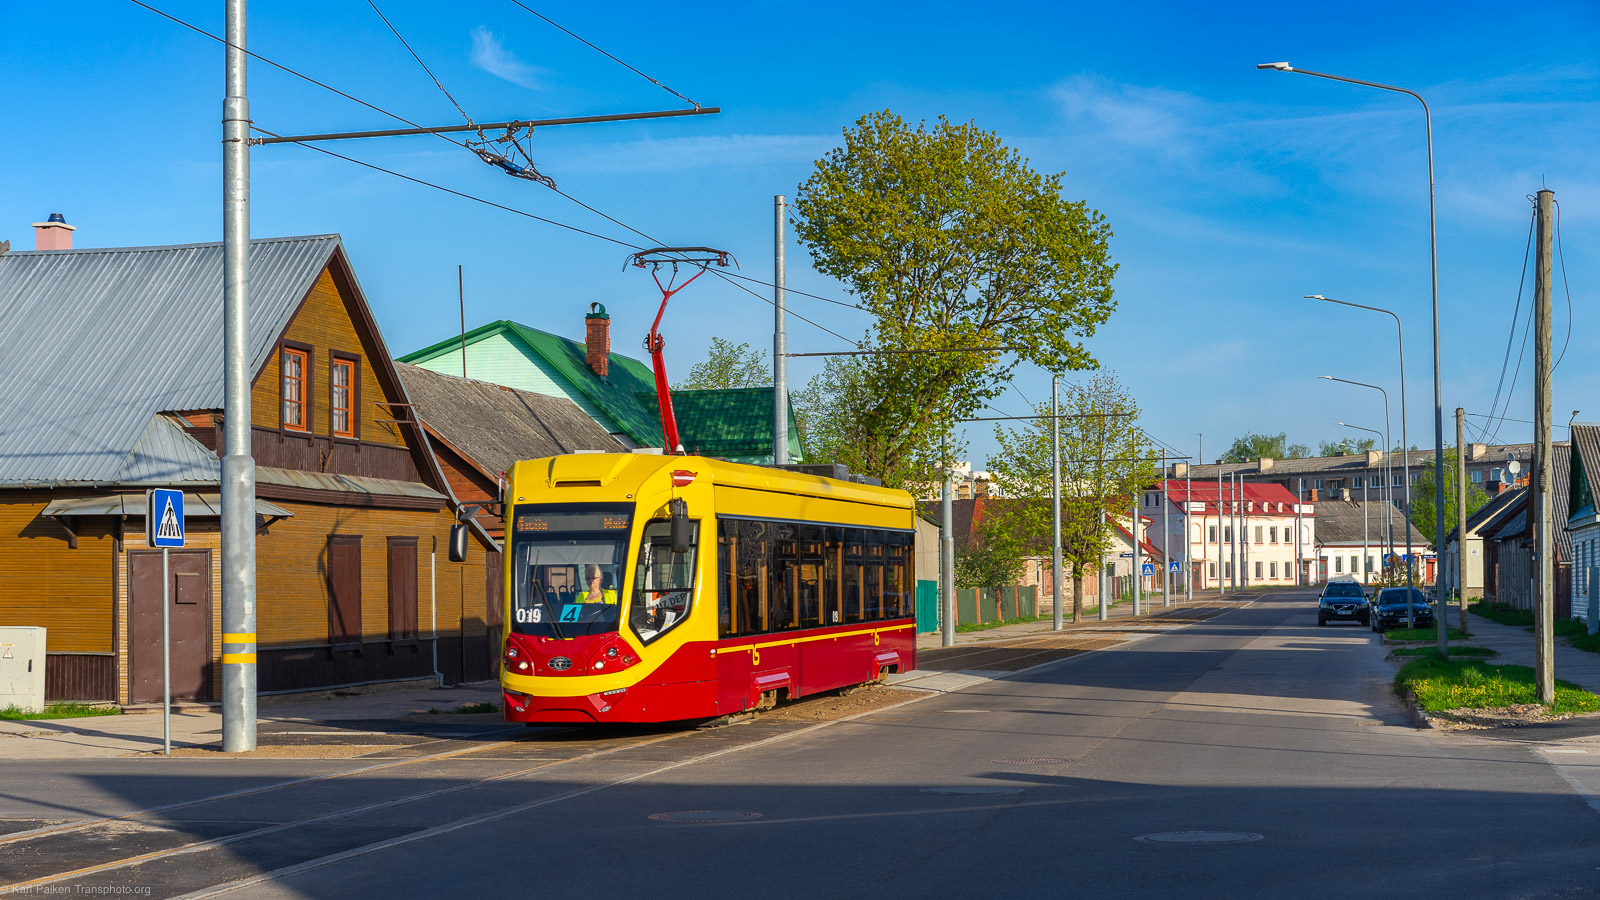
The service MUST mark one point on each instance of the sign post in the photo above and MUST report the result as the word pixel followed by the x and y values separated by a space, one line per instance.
pixel 163 527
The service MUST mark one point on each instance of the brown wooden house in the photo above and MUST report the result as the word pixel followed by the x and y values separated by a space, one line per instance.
pixel 112 365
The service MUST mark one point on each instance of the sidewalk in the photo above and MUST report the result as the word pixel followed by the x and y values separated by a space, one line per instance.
pixel 1515 646
pixel 131 733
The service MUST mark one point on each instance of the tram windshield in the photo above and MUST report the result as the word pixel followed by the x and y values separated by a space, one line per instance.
pixel 567 564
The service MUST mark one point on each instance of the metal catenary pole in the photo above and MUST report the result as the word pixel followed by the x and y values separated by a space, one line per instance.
pixel 238 468
pixel 1299 551
pixel 1103 584
pixel 1057 613
pixel 947 546
pixel 1188 503
pixel 780 339
pixel 1543 535
pixel 1222 566
pixel 1166 536
pixel 1138 560
pixel 1236 546
pixel 1461 517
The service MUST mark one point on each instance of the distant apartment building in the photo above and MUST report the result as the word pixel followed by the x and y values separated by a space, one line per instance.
pixel 1259 532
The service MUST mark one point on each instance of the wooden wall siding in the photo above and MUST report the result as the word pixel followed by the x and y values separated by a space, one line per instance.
pixel 320 453
pixel 45 583
pixel 292 573
pixel 325 323
pixel 501 359
pixel 469 486
pixel 199 534
pixel 80 676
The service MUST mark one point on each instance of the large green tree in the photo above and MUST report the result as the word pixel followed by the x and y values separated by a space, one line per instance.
pixel 1422 507
pixel 949 239
pixel 1106 459
pixel 1346 446
pixel 728 365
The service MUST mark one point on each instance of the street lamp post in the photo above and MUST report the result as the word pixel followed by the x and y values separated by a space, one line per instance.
pixel 1405 460
pixel 1387 495
pixel 1433 268
pixel 1365 569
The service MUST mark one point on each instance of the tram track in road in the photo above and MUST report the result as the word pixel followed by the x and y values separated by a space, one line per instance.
pixel 108 832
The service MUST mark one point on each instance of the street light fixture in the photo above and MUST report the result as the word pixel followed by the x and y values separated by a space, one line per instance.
pixel 1433 263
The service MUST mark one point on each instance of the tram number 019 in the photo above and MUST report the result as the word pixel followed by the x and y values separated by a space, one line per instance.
pixel 524 616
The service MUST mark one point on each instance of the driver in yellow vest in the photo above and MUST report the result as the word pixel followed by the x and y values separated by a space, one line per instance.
pixel 596 591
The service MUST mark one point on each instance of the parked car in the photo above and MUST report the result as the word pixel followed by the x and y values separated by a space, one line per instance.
pixel 1342 601
pixel 1389 609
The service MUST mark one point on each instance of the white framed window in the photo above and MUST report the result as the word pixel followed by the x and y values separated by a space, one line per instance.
pixel 1316 483
pixel 1338 564
pixel 1212 539
pixel 1476 476
pixel 1272 569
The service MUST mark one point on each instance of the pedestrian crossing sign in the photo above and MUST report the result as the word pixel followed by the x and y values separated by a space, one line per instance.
pixel 1147 569
pixel 163 516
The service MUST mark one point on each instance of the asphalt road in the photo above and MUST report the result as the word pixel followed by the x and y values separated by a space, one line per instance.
pixel 1256 725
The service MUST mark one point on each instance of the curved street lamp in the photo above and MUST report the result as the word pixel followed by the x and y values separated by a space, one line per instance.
pixel 1433 261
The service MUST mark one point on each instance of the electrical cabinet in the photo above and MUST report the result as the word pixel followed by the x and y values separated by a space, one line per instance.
pixel 22 668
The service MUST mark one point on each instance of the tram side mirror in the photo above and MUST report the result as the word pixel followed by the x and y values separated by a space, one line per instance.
pixel 458 542
pixel 680 525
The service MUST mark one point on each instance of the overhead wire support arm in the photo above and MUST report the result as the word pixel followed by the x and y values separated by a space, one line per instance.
pixel 929 350
pixel 488 126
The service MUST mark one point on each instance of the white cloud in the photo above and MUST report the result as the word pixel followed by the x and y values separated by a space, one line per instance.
pixel 1128 113
pixel 489 55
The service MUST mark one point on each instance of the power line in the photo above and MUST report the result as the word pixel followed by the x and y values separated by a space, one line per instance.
pixel 1516 314
pixel 619 62
pixel 1568 288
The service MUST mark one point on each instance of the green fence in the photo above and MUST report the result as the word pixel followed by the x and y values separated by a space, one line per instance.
pixel 988 605
pixel 927 606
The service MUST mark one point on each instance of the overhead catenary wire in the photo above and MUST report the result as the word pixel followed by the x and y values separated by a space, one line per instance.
pixel 1562 256
pixel 590 45
pixel 407 44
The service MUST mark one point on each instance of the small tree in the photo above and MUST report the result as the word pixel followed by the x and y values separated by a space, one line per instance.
pixel 1422 508
pixel 1346 446
pixel 1252 446
pixel 1105 458
pixel 728 366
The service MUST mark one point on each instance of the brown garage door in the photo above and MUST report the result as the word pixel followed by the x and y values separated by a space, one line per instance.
pixel 189 582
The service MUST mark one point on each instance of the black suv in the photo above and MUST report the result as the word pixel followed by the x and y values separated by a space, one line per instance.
pixel 1389 609
pixel 1342 601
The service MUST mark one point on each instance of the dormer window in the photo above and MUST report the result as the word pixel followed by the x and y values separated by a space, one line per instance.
pixel 295 368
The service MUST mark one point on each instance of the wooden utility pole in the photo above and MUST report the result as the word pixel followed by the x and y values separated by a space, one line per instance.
pixel 1543 532
pixel 1461 517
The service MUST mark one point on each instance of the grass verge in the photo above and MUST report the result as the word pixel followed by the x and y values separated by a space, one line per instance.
pixel 1440 684
pixel 60 711
pixel 1423 634
pixel 1455 650
pixel 1503 613
pixel 985 626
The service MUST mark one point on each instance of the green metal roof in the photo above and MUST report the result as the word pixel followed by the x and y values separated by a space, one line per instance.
pixel 617 395
pixel 733 424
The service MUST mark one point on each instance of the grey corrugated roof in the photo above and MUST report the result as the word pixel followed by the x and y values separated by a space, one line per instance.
pixel 1512 523
pixel 1586 438
pixel 1339 522
pixel 195 506
pixel 494 425
pixel 98 341
pixel 1350 463
pixel 167 455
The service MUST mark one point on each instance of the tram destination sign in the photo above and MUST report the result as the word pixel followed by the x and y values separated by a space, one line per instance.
pixel 573 520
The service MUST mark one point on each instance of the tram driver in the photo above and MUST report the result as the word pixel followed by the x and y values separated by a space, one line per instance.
pixel 597 590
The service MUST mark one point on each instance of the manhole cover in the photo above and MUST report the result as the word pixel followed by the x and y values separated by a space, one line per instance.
pixel 1200 837
pixel 1034 761
pixel 705 815
pixel 973 790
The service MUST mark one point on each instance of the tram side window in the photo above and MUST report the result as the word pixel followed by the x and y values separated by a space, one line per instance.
pixel 896 603
pixel 749 559
pixel 854 593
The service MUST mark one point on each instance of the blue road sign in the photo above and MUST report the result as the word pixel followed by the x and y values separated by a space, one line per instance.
pixel 1172 566
pixel 163 516
pixel 1147 569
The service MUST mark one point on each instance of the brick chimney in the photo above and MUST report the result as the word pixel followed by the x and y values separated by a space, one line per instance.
pixel 53 234
pixel 597 340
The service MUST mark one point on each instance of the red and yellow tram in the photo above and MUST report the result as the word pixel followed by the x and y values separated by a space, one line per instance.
pixel 654 588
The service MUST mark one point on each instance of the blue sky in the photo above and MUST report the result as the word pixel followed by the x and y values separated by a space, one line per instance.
pixel 1231 192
